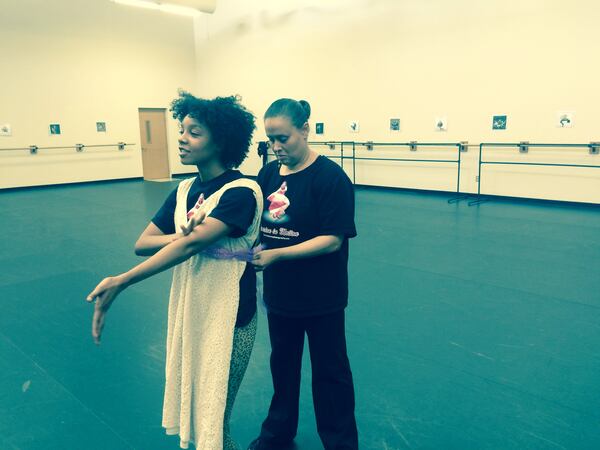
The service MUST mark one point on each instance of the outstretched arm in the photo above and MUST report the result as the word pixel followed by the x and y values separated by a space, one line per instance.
pixel 200 237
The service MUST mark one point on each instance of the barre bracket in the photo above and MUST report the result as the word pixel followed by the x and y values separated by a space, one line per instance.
pixel 523 146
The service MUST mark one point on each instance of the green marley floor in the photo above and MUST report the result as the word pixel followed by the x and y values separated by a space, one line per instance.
pixel 468 327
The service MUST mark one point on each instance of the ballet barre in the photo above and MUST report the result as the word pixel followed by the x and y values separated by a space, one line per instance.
pixel 414 146
pixel 523 148
pixel 347 151
pixel 333 146
pixel 33 149
pixel 264 148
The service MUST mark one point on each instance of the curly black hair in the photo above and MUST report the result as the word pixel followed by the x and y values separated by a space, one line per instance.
pixel 231 125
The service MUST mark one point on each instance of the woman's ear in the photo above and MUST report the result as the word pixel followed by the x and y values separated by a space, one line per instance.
pixel 305 130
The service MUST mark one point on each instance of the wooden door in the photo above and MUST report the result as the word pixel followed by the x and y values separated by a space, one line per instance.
pixel 153 136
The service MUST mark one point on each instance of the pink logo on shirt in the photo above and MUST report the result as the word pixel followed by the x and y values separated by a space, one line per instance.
pixel 279 202
pixel 195 208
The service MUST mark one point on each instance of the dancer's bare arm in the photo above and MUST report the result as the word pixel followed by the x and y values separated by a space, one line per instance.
pixel 201 236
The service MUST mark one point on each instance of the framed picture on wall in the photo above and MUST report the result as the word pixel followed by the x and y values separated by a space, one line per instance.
pixel 394 125
pixel 319 128
pixel 441 124
pixel 54 128
pixel 564 119
pixel 499 123
pixel 353 126
pixel 5 129
pixel 101 127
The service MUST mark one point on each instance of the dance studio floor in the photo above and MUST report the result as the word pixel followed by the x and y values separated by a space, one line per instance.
pixel 468 327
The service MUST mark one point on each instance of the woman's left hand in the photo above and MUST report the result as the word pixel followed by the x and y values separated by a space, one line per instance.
pixel 265 258
pixel 196 220
pixel 104 294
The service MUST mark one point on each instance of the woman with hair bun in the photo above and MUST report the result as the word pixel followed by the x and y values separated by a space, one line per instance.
pixel 308 219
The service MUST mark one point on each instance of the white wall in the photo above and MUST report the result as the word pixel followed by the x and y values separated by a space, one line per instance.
pixel 76 62
pixel 371 60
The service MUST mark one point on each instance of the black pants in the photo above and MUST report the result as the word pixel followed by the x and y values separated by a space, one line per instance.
pixel 332 387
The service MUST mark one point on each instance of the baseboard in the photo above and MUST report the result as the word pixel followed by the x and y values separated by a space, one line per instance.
pixel 357 186
pixel 72 183
pixel 473 195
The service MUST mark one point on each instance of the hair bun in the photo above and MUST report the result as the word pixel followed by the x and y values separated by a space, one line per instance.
pixel 297 111
pixel 306 107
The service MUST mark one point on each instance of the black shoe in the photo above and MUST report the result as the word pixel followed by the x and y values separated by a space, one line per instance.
pixel 260 444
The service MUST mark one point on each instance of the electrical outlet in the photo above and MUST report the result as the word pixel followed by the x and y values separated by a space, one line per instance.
pixel 476 178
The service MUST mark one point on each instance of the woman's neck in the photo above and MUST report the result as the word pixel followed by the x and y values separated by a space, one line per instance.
pixel 302 164
pixel 210 171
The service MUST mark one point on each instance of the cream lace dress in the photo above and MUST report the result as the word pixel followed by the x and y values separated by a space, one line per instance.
pixel 202 314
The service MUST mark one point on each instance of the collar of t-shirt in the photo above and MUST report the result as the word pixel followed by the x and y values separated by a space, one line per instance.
pixel 200 191
pixel 213 185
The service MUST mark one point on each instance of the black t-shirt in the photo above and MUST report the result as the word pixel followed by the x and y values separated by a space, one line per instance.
pixel 316 201
pixel 236 209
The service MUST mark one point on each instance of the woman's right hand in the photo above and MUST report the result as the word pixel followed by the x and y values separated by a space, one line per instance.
pixel 264 258
pixel 104 295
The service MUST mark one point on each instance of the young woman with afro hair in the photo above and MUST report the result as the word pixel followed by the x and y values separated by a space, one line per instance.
pixel 206 228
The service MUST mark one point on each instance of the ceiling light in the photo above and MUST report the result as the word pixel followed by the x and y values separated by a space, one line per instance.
pixel 181 7
pixel 138 3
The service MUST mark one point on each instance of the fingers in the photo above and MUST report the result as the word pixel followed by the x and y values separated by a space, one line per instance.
pixel 185 230
pixel 192 223
pixel 95 295
pixel 103 295
pixel 196 220
pixel 98 298
pixel 98 290
pixel 92 295
pixel 97 324
pixel 257 263
pixel 256 257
